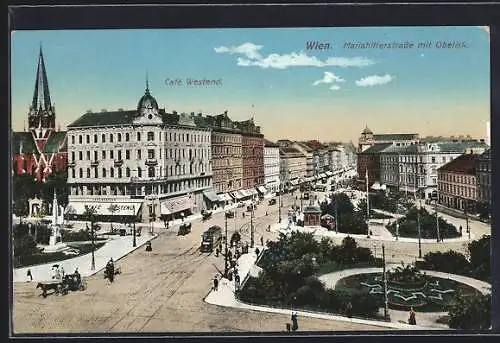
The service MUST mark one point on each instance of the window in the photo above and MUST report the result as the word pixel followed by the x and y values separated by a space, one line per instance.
pixel 119 137
pixel 139 154
pixel 88 155
pixel 80 155
pixel 138 136
pixel 72 139
pixel 88 172
pixel 112 172
pixel 119 172
pixel 127 172
pixel 88 139
pixel 103 138
pixel 433 159
pixel 96 173
pixel 127 137
pixel 139 172
pixel 81 172
pixel 80 139
pixel 119 155
pixel 103 154
pixel 95 155
pixel 151 172
pixel 103 172
pixel 73 156
pixel 127 154
pixel 73 173
pixel 95 138
pixel 111 154
pixel 151 136
pixel 111 137
pixel 151 154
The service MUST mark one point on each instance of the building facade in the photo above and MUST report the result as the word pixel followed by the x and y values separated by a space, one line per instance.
pixel 145 162
pixel 293 167
pixel 252 147
pixel 369 162
pixel 42 150
pixel 368 139
pixel 271 166
pixel 483 178
pixel 307 152
pixel 457 186
pixel 227 162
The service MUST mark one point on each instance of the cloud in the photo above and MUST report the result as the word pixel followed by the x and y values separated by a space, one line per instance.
pixel 335 87
pixel 282 61
pixel 328 77
pixel 374 80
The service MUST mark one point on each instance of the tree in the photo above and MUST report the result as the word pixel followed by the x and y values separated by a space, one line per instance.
pixel 25 246
pixel 447 262
pixel 480 257
pixel 56 181
pixel 471 313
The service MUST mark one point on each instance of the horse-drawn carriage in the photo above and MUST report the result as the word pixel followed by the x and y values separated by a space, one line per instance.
pixel 69 282
pixel 206 214
pixel 229 214
pixel 184 229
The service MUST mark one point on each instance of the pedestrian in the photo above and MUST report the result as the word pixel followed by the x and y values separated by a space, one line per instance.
pixel 217 252
pixel 257 251
pixel 262 240
pixel 460 230
pixel 237 280
pixel 62 272
pixel 295 324
pixel 348 310
pixel 412 320
pixel 216 284
pixel 28 274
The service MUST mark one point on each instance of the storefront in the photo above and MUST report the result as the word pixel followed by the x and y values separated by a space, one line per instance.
pixel 226 198
pixel 176 208
pixel 237 196
pixel 212 200
pixel 262 191
pixel 116 210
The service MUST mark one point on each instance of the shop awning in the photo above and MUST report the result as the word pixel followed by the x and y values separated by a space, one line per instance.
pixel 105 208
pixel 262 189
pixel 225 197
pixel 253 191
pixel 294 182
pixel 237 195
pixel 322 175
pixel 210 195
pixel 174 205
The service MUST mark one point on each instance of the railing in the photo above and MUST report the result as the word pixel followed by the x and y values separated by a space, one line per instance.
pixel 94 163
pixel 71 164
pixel 118 162
pixel 151 162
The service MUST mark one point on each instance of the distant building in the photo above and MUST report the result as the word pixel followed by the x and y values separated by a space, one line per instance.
pixel 42 149
pixel 369 161
pixel 368 139
pixel 307 151
pixel 271 166
pixel 457 186
pixel 293 167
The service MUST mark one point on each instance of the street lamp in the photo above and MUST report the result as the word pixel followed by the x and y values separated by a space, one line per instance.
pixel 418 208
pixel 467 228
pixel 134 243
pixel 226 266
pixel 386 302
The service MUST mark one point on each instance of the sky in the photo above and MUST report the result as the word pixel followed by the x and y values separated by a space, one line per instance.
pixel 329 92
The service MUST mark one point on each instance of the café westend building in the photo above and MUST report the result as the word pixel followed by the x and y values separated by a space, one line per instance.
pixel 143 163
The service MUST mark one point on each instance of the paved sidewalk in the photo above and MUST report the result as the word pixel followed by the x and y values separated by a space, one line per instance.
pixel 224 296
pixel 116 248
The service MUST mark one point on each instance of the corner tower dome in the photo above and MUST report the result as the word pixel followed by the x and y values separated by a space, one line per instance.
pixel 147 101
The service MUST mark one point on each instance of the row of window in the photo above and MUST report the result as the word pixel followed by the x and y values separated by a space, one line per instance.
pixel 151 154
pixel 411 159
pixel 469 192
pixel 466 179
pixel 178 186
pixel 151 171
pixel 225 150
pixel 168 136
pixel 234 139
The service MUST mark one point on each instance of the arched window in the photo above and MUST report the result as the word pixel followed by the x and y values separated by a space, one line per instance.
pixel 127 137
pixel 127 172
pixel 119 137
pixel 138 136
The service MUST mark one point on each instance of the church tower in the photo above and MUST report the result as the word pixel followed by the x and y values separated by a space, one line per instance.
pixel 41 116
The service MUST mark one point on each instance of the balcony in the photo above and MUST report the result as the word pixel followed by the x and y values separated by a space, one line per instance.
pixel 71 164
pixel 118 163
pixel 94 163
pixel 151 162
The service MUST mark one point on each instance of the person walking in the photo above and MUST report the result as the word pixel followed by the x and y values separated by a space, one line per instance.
pixel 295 324
pixel 262 240
pixel 412 319
pixel 216 284
pixel 28 274
pixel 62 272
pixel 217 252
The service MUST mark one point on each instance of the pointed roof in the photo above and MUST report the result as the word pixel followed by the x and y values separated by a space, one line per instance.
pixel 367 130
pixel 41 95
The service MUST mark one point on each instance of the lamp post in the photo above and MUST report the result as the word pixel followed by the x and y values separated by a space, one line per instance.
pixel 467 228
pixel 386 302
pixel 418 208
pixel 92 264
pixel 437 217
pixel 251 227
pixel 134 242
pixel 226 267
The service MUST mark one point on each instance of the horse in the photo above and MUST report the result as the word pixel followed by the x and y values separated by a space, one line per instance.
pixel 56 287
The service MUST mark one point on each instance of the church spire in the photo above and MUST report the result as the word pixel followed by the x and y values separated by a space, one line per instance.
pixel 41 95
pixel 41 109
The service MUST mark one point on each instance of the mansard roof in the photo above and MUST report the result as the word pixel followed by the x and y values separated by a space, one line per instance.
pixel 269 144
pixel 395 136
pixel 463 164
pixel 375 149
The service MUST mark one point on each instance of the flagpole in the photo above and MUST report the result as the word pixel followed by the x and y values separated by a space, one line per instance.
pixel 367 205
